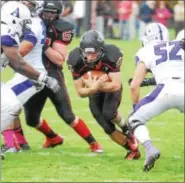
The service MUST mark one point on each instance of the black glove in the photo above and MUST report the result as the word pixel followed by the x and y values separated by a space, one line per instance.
pixel 50 82
pixel 146 82
pixel 129 81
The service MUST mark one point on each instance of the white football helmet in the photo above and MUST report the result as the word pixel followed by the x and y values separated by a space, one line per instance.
pixel 35 6
pixel 180 35
pixel 155 32
pixel 16 16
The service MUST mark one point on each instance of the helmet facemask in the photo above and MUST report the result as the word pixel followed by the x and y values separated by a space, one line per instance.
pixel 51 11
pixel 91 56
pixel 92 48
pixel 34 6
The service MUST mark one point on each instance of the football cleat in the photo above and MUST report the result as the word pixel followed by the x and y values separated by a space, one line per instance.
pixel 25 147
pixel 150 161
pixel 6 149
pixel 2 156
pixel 132 141
pixel 95 147
pixel 53 142
pixel 132 155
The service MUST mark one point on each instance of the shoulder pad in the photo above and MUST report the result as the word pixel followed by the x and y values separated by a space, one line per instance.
pixel 62 25
pixel 73 57
pixel 113 53
pixel 65 31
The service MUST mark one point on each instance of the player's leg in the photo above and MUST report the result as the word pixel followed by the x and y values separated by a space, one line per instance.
pixel 33 109
pixel 10 107
pixel 62 104
pixel 14 139
pixel 96 102
pixel 19 135
pixel 110 112
pixel 150 106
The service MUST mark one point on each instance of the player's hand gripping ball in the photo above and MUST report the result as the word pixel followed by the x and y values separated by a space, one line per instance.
pixel 95 74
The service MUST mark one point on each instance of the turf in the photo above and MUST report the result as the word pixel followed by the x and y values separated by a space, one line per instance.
pixel 73 162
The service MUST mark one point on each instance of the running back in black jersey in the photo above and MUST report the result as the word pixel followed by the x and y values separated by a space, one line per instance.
pixel 110 62
pixel 61 31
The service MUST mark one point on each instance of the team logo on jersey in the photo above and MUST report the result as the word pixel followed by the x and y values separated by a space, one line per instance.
pixel 16 13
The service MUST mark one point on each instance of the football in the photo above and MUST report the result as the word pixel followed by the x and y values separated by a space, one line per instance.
pixel 97 74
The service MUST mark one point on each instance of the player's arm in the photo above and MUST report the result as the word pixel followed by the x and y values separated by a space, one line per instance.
pixel 57 53
pixel 18 63
pixel 83 91
pixel 115 83
pixel 138 77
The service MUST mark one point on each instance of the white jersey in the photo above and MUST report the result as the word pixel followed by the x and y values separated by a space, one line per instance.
pixel 22 86
pixel 8 38
pixel 165 60
pixel 37 36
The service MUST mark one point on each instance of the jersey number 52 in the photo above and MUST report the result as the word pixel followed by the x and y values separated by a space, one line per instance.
pixel 168 54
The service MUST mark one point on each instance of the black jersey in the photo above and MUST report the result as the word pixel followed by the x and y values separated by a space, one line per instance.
pixel 110 62
pixel 61 31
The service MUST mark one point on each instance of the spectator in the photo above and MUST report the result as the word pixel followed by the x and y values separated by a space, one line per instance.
pixel 179 16
pixel 67 13
pixel 105 11
pixel 146 13
pixel 134 22
pixel 124 12
pixel 79 14
pixel 162 13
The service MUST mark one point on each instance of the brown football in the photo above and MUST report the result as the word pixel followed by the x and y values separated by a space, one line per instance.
pixel 97 74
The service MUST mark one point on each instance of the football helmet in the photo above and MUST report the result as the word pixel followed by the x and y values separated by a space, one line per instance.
pixel 180 35
pixel 51 11
pixel 34 6
pixel 16 15
pixel 155 32
pixel 92 42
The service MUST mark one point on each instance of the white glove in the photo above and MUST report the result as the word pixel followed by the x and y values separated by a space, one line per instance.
pixel 50 82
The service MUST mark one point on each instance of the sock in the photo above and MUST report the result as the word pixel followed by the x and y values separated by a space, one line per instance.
pixel 82 130
pixel 45 129
pixel 127 147
pixel 19 135
pixel 142 134
pixel 147 145
pixel 9 137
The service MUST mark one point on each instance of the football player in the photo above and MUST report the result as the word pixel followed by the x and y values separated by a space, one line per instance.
pixel 166 61
pixel 59 35
pixel 15 19
pixel 31 49
pixel 104 97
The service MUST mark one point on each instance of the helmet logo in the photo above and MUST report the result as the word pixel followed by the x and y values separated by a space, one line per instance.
pixel 16 13
pixel 89 50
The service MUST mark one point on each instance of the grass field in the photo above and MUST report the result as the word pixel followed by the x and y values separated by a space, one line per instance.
pixel 73 162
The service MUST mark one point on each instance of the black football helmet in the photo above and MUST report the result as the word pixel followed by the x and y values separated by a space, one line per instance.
pixel 51 11
pixel 92 41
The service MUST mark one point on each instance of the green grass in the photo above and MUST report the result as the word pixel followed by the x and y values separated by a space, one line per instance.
pixel 73 162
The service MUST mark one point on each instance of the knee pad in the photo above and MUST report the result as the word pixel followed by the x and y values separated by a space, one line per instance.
pixel 32 120
pixel 9 114
pixel 68 118
pixel 109 115
pixel 15 109
pixel 133 124
pixel 109 128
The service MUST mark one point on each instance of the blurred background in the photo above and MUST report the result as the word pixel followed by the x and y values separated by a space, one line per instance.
pixel 121 19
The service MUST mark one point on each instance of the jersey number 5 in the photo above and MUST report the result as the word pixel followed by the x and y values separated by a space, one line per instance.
pixel 165 54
